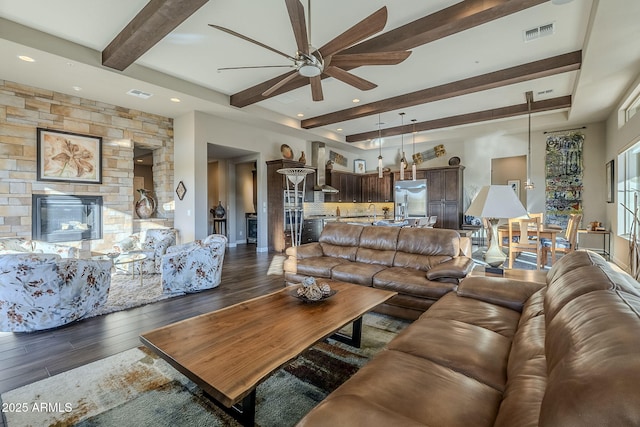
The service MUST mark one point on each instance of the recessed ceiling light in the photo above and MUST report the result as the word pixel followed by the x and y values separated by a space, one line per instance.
pixel 300 115
pixel 355 100
pixel 339 129
pixel 77 88
pixel 175 99
pixel 26 58
pixel 139 160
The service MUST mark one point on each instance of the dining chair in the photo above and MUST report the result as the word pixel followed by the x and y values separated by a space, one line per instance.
pixel 538 215
pixel 529 240
pixel 566 243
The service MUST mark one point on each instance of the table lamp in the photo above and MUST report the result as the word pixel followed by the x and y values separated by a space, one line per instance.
pixel 495 202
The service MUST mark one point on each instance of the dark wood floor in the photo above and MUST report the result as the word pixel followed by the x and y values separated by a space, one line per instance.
pixel 30 357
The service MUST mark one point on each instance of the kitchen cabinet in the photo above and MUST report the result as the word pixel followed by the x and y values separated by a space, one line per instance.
pixel 311 229
pixel 445 195
pixel 349 186
pixel 376 189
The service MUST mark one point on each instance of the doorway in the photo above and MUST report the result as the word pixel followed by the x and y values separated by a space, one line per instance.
pixel 511 171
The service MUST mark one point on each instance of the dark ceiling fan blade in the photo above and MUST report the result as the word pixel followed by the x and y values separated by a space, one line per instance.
pixel 298 23
pixel 292 75
pixel 348 78
pixel 374 58
pixel 316 88
pixel 369 26
pixel 233 33
pixel 250 67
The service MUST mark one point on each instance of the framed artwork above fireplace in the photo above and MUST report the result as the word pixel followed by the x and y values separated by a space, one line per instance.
pixel 69 157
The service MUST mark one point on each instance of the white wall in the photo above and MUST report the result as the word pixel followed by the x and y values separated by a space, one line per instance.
pixel 618 139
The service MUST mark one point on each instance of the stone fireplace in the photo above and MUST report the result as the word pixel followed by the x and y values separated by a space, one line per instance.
pixel 57 218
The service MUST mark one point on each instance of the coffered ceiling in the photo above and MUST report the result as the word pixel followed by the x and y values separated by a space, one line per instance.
pixel 468 72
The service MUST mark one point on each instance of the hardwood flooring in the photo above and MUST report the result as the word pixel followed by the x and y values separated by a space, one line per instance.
pixel 30 357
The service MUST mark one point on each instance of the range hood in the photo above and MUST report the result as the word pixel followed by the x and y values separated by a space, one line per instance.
pixel 319 161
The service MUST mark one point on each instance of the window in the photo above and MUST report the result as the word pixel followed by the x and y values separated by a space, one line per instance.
pixel 633 108
pixel 628 187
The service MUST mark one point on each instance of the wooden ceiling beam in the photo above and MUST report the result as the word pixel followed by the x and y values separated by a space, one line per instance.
pixel 157 19
pixel 520 73
pixel 454 19
pixel 463 119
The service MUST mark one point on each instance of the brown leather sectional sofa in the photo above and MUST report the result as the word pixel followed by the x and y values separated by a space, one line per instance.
pixel 421 264
pixel 500 352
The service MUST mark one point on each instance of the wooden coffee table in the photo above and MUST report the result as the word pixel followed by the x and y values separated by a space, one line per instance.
pixel 228 352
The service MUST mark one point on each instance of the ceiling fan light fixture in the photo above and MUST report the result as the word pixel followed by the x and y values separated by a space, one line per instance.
pixel 309 70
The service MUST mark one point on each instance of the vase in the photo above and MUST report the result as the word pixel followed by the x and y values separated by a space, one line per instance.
pixel 219 211
pixel 146 206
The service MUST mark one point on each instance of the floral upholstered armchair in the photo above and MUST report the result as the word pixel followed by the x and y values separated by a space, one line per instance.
pixel 153 243
pixel 18 245
pixel 193 266
pixel 42 291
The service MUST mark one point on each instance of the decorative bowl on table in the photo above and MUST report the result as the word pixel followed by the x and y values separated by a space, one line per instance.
pixel 311 291
pixel 112 255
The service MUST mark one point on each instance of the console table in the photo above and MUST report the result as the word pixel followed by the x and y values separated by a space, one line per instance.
pixel 606 241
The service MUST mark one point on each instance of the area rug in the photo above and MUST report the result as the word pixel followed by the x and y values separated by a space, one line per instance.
pixel 126 292
pixel 137 388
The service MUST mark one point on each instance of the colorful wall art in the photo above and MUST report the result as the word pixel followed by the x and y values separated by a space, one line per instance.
pixel 563 177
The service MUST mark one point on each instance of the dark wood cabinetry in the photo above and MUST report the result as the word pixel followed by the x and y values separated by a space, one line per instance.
pixel 276 185
pixel 357 188
pixel 349 186
pixel 445 195
pixel 376 189
pixel 311 229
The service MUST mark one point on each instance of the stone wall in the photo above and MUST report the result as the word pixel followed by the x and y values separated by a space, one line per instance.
pixel 24 108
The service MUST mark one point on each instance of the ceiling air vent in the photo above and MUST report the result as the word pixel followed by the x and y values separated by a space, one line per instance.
pixel 537 32
pixel 139 94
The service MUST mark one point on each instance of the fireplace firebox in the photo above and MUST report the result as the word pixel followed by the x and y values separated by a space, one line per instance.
pixel 58 218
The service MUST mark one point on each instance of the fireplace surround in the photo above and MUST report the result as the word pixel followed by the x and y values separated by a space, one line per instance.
pixel 58 218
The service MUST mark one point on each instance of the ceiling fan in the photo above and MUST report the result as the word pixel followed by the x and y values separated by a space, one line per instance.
pixel 311 63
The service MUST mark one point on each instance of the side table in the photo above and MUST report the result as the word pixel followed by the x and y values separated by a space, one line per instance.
pixel 606 241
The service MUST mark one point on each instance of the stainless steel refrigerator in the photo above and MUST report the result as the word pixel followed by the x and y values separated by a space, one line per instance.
pixel 410 198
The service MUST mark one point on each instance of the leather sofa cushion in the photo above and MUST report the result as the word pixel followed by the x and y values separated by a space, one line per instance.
pixel 340 240
pixel 356 272
pixel 495 318
pixel 378 245
pixel 316 267
pixel 409 281
pixel 592 347
pixel 471 350
pixel 431 394
pixel 439 241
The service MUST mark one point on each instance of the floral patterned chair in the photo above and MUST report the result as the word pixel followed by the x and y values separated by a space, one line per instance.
pixel 193 266
pixel 18 245
pixel 153 243
pixel 43 291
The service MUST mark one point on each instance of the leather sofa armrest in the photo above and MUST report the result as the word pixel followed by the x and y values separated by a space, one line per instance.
pixel 457 268
pixel 308 250
pixel 510 293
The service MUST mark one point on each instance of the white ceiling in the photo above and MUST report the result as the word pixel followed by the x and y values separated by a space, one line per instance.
pixel 184 64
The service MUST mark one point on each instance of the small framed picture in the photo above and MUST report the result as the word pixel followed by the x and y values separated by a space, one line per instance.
pixel 610 181
pixel 515 186
pixel 181 190
pixel 359 166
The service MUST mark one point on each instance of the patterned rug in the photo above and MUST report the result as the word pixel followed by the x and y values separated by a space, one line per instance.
pixel 127 292
pixel 137 388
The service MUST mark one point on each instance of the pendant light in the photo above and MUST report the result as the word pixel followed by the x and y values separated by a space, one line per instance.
pixel 414 167
pixel 379 148
pixel 403 161
pixel 529 184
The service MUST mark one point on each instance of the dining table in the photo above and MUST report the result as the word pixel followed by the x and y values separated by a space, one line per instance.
pixel 546 231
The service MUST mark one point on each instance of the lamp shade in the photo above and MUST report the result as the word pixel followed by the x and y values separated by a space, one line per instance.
pixel 496 201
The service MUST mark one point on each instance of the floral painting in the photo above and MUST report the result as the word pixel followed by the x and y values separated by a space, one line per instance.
pixel 69 157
